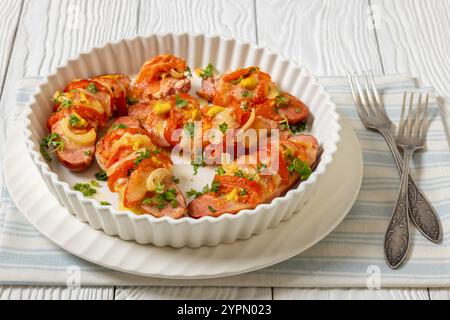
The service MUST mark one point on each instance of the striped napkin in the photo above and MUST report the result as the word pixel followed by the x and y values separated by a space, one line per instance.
pixel 351 256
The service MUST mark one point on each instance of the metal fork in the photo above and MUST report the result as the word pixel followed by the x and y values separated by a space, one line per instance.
pixel 373 116
pixel 410 137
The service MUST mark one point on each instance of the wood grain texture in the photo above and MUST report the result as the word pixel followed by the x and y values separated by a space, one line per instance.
pixel 186 293
pixel 327 37
pixel 414 37
pixel 9 19
pixel 234 18
pixel 55 293
pixel 52 31
pixel 349 294
pixel 439 294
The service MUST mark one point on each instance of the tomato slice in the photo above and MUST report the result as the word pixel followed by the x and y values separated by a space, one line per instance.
pixel 235 75
pixel 228 183
pixel 154 67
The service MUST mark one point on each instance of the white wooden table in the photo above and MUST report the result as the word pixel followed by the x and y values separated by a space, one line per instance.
pixel 330 37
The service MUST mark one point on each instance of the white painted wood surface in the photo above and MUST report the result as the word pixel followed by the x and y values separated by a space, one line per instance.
pixel 55 293
pixel 349 294
pixel 330 37
pixel 192 293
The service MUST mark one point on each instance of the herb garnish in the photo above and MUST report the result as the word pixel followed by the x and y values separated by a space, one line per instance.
pixel 281 101
pixel 52 140
pixel 179 102
pixel 220 171
pixel 212 209
pixel 189 128
pixel 131 101
pixel 188 72
pixel 92 88
pixel 105 203
pixel 101 176
pixel 301 168
pixel 74 120
pixel 85 188
pixel 162 198
pixel 207 72
pixel 118 126
pixel 142 155
pixel 223 127
pixel 175 179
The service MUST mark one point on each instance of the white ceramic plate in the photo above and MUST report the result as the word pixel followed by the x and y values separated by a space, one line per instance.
pixel 127 56
pixel 319 217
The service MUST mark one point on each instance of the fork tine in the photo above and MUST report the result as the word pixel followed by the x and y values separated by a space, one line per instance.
pixel 361 112
pixel 401 124
pixel 371 101
pixel 424 122
pixel 375 92
pixel 410 112
pixel 417 114
pixel 362 97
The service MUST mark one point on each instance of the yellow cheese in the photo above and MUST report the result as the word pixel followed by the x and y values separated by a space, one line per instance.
pixel 249 83
pixel 161 108
pixel 233 195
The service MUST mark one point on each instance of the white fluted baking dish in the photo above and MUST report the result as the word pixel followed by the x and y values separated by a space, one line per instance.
pixel 127 56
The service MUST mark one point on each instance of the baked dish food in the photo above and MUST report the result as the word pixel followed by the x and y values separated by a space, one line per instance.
pixel 131 128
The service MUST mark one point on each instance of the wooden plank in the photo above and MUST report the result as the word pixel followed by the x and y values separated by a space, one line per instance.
pixel 414 37
pixel 52 31
pixel 186 293
pixel 439 294
pixel 55 293
pixel 327 37
pixel 233 18
pixel 349 294
pixel 9 19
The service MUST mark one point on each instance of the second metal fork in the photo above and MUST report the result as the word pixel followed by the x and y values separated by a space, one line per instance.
pixel 410 137
pixel 373 116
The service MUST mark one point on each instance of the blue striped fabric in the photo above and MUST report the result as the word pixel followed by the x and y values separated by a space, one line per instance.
pixel 352 255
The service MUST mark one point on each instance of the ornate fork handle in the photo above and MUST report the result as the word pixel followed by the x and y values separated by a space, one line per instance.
pixel 420 210
pixel 396 241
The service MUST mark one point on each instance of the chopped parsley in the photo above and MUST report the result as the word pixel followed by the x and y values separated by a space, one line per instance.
pixel 105 203
pixel 66 103
pixel 212 209
pixel 88 153
pixel 215 186
pixel 162 198
pixel 188 72
pixel 175 179
pixel 74 120
pixel 246 93
pixel 281 101
pixel 131 101
pixel 236 81
pixel 189 128
pixel 92 88
pixel 179 102
pixel 142 155
pixel 301 168
pixel 223 127
pixel 197 165
pixel 298 128
pixel 207 72
pixel 94 183
pixel 243 192
pixel 101 176
pixel 220 171
pixel 52 140
pixel 194 193
pixel 239 174
pixel 118 126
pixel 85 188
